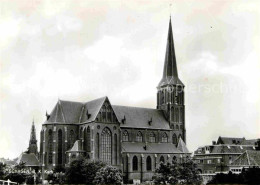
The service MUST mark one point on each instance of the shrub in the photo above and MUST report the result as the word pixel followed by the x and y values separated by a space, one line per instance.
pixel 108 175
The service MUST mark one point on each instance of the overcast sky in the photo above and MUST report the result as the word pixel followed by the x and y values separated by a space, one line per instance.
pixel 81 50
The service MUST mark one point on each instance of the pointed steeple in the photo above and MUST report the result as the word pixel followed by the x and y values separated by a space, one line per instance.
pixel 33 140
pixel 170 72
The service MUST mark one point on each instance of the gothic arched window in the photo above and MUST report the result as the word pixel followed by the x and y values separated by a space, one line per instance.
pixel 88 140
pixel 60 146
pixel 109 112
pixel 135 163
pixel 162 159
pixel 106 145
pixel 50 140
pixel 103 110
pixel 115 147
pixel 97 145
pixel 174 139
pixel 174 159
pixel 152 137
pixel 177 127
pixel 148 163
pixel 71 139
pixel 125 136
pixel 164 138
pixel 177 115
pixel 139 137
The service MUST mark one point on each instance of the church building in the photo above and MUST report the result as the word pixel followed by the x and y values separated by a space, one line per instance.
pixel 135 140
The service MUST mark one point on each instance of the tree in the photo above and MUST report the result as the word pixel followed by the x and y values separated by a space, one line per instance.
pixel 177 173
pixel 108 175
pixel 75 173
pixel 247 176
pixel 2 170
pixel 80 171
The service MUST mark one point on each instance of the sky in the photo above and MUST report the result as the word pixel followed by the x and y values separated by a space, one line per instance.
pixel 81 50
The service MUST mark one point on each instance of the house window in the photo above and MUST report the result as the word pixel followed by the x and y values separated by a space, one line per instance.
pixel 106 145
pixel 152 137
pixel 164 138
pixel 139 137
pixel 125 136
pixel 135 163
pixel 148 163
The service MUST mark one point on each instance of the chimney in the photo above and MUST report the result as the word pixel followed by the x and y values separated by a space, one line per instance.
pixel 214 143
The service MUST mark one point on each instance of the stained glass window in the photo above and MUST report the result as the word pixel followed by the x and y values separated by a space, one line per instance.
pixel 164 138
pixel 148 163
pixel 139 137
pixel 152 137
pixel 88 140
pixel 60 146
pixel 135 163
pixel 174 139
pixel 50 140
pixel 106 145
pixel 125 136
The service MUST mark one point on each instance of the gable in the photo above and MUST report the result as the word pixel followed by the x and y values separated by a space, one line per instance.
pixel 106 113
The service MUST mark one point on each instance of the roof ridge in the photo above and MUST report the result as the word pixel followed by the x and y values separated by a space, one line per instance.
pixel 135 107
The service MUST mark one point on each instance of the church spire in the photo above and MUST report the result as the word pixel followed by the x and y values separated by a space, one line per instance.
pixel 170 72
pixel 33 140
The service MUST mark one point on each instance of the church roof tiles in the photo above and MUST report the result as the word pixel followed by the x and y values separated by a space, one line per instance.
pixel 68 112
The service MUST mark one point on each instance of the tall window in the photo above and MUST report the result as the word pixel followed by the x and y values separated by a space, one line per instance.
pixel 50 140
pixel 139 137
pixel 148 163
pixel 60 146
pixel 177 115
pixel 162 159
pixel 115 147
pixel 85 139
pixel 88 140
pixel 125 136
pixel 135 163
pixel 103 110
pixel 177 127
pixel 71 139
pixel 106 145
pixel 109 119
pixel 174 139
pixel 97 145
pixel 81 133
pixel 164 138
pixel 152 137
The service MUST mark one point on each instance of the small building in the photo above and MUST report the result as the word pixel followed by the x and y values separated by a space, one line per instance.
pixel 248 159
pixel 216 158
pixel 30 160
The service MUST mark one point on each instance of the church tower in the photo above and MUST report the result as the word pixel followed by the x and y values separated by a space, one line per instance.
pixel 33 141
pixel 170 91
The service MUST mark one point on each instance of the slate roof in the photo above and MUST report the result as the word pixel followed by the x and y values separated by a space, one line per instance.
pixel 150 148
pixel 248 158
pixel 170 72
pixel 136 117
pixel 29 159
pixel 230 140
pixel 224 149
pixel 77 147
pixel 76 112
pixel 249 142
pixel 182 146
